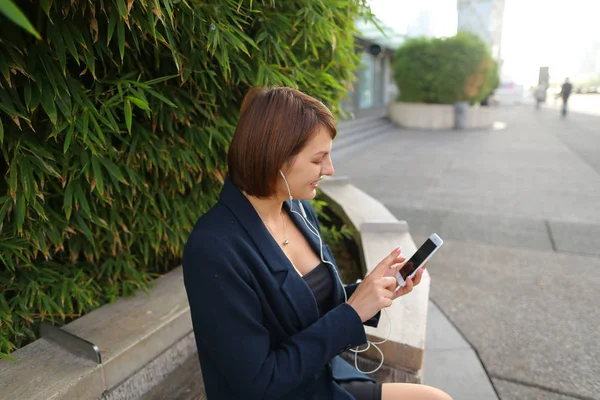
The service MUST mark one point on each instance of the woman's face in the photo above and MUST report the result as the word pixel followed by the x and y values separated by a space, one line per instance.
pixel 304 172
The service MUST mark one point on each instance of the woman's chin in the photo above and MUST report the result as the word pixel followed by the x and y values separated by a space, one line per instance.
pixel 308 195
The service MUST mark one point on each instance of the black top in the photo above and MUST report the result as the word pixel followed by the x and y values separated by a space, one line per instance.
pixel 320 281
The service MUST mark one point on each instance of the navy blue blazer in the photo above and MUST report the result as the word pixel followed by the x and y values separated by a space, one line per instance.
pixel 256 321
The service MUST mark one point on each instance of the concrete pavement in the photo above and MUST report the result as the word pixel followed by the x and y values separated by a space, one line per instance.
pixel 519 210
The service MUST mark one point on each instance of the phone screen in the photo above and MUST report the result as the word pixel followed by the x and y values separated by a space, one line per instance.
pixel 417 259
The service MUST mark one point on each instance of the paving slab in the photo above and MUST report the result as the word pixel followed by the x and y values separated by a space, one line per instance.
pixel 576 238
pixel 451 364
pixel 532 315
pixel 514 391
pixel 490 229
pixel 458 373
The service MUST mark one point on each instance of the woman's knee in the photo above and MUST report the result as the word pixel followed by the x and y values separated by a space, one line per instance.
pixel 407 391
pixel 436 394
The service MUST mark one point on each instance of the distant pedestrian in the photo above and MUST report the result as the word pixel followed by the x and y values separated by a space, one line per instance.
pixel 488 99
pixel 565 92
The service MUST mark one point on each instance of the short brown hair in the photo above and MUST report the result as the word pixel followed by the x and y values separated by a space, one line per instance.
pixel 273 127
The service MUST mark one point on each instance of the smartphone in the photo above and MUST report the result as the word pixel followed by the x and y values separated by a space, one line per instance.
pixel 422 255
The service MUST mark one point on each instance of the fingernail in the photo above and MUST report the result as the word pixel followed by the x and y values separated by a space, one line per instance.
pixel 397 250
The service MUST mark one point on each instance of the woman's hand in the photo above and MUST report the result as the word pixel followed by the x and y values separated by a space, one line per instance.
pixel 376 291
pixel 410 282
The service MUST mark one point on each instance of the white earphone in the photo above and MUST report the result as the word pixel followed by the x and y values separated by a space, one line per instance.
pixel 315 232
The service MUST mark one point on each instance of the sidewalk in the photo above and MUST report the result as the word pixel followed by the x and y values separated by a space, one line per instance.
pixel 519 211
pixel 451 364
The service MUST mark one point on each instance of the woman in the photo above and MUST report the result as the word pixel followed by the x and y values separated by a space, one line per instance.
pixel 269 314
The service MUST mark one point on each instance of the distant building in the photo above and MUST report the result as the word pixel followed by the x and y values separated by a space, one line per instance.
pixel 375 86
pixel 483 18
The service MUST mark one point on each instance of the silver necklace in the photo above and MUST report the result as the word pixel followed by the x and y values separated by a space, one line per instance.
pixel 285 240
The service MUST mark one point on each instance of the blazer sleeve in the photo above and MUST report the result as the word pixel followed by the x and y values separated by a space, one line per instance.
pixel 374 321
pixel 349 289
pixel 228 321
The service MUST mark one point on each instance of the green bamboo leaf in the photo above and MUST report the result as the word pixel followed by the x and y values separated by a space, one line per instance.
pixel 112 23
pixel 48 102
pixel 12 176
pixel 159 80
pixel 43 165
pixel 85 125
pixel 39 209
pixel 90 62
pixel 20 211
pixel 12 12
pixel 161 98
pixel 1 132
pixel 121 37
pixel 71 45
pixel 99 137
pixel 7 357
pixel 46 5
pixel 41 241
pixel 139 102
pixel 69 137
pixel 172 46
pixel 113 170
pixel 84 228
pixel 6 203
pixel 68 200
pixel 27 94
pixel 98 175
pixel 127 111
pixel 35 96
pixel 81 199
pixel 4 70
pixel 122 8
pixel 65 109
pixel 6 104
pixel 112 121
pixel 26 178
pixel 136 43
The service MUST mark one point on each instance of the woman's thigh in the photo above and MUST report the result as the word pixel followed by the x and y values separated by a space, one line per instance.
pixel 411 391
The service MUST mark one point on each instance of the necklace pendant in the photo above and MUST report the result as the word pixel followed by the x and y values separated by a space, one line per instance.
pixel 286 242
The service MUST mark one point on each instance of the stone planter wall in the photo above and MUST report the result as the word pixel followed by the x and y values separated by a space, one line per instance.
pixel 436 116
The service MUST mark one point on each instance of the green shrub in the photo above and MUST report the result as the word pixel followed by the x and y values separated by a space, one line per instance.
pixel 444 70
pixel 114 128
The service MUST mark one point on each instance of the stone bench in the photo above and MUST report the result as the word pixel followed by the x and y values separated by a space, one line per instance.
pixel 377 233
pixel 143 340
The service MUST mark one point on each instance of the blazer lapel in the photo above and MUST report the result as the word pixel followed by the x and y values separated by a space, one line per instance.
pixel 291 283
pixel 314 243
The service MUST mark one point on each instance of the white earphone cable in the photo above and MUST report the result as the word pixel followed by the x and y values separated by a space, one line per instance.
pixel 315 232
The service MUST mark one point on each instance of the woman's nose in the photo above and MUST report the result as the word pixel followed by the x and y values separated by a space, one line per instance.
pixel 328 170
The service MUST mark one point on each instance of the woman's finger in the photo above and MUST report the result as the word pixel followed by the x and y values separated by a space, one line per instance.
pixel 408 287
pixel 418 276
pixel 389 282
pixel 386 263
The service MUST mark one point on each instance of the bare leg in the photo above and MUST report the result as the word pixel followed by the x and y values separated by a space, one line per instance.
pixel 409 391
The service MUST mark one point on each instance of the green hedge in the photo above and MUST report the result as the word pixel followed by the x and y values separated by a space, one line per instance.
pixel 114 128
pixel 444 70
